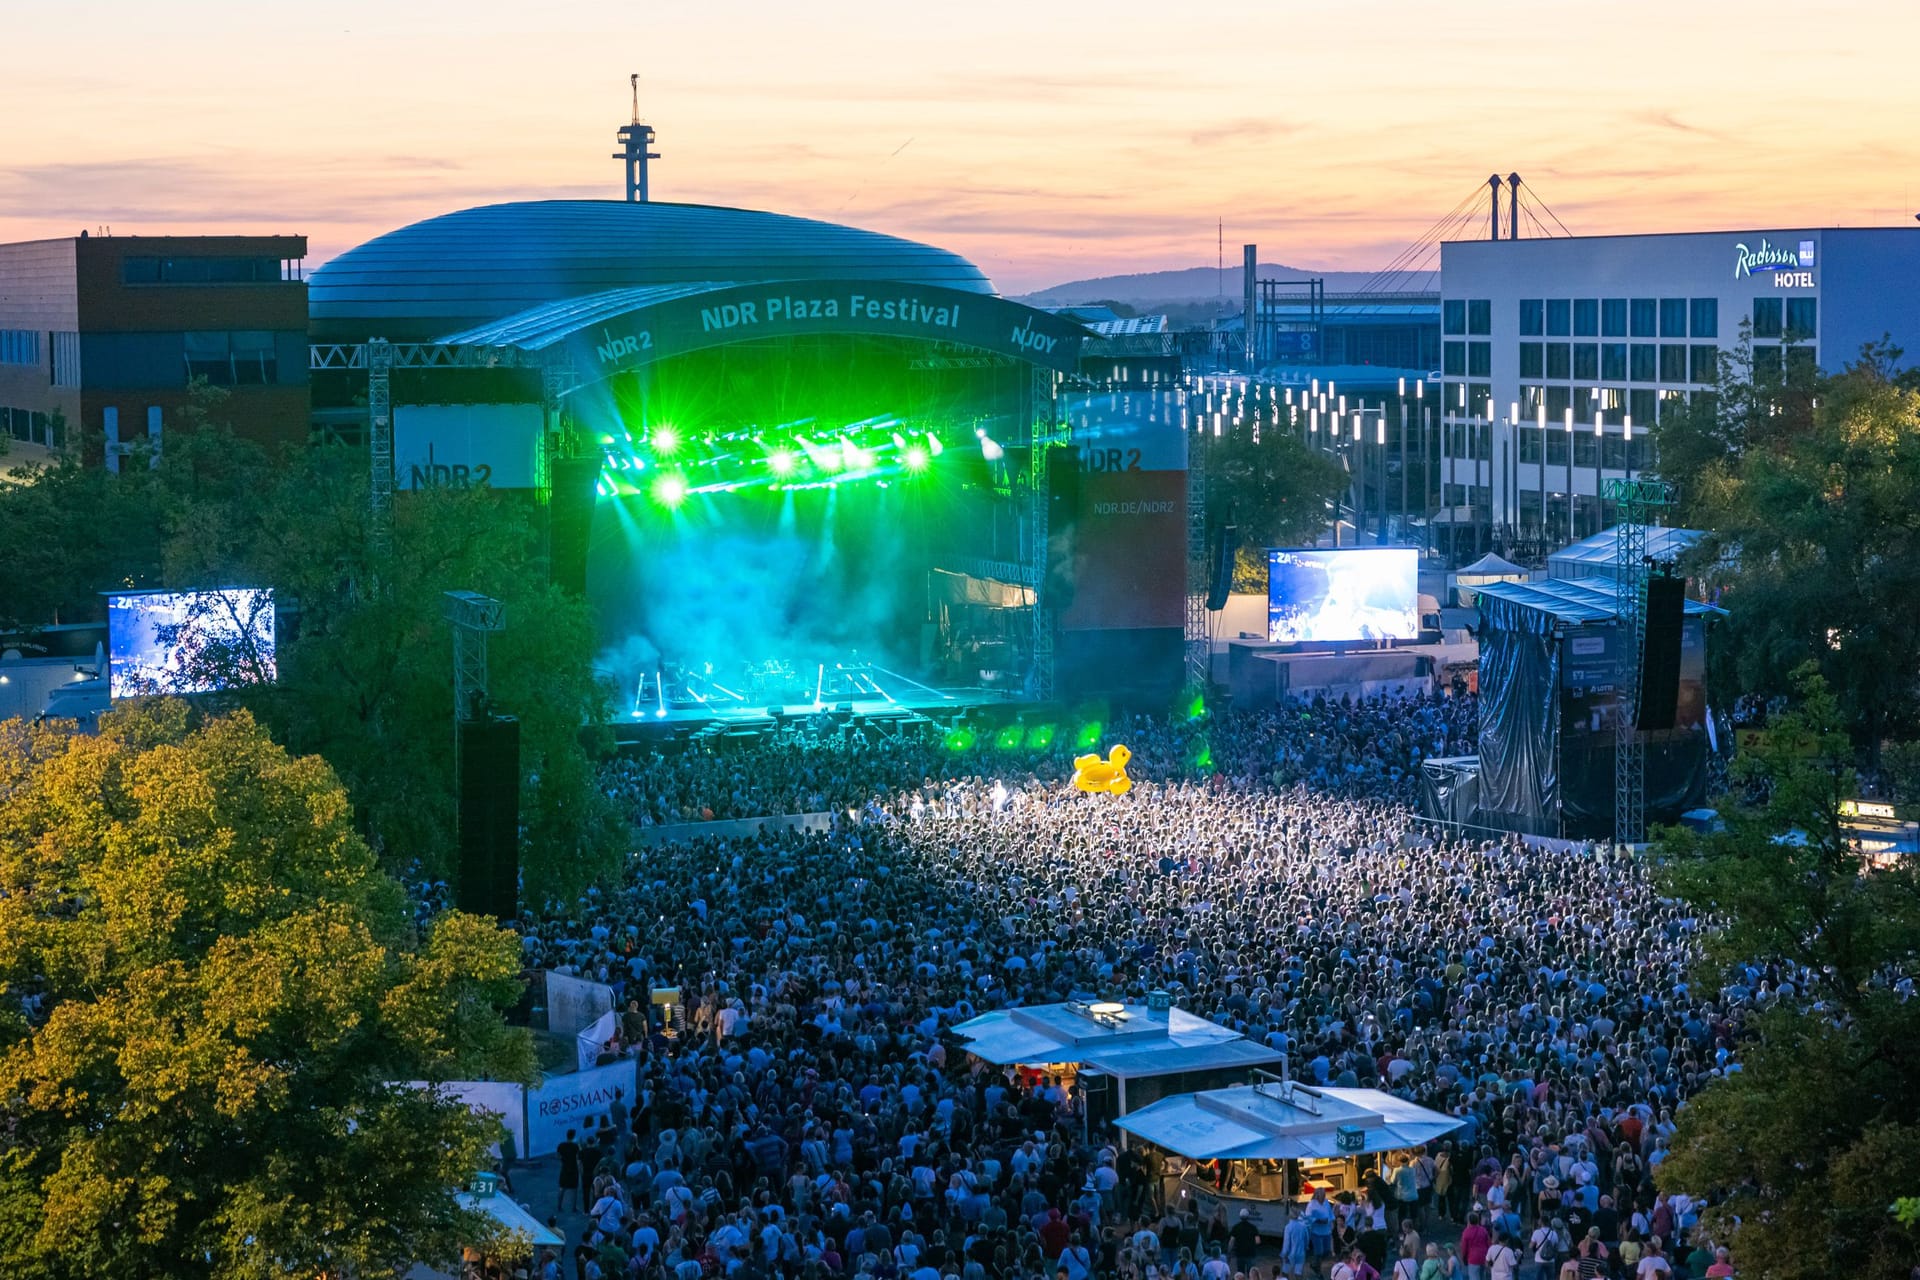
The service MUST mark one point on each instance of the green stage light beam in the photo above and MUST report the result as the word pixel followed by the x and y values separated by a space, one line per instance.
pixel 934 446
pixel 665 441
pixel 782 462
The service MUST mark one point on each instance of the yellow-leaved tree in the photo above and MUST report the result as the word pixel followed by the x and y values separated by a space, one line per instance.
pixel 206 987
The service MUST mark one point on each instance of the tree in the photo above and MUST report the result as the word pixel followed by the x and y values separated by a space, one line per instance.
pixel 1275 491
pixel 207 986
pixel 1810 490
pixel 365 665
pixel 1818 1132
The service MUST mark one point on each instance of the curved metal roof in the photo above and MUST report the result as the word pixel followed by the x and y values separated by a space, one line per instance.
pixel 477 265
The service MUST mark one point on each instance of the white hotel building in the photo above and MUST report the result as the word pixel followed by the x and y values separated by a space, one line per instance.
pixel 1557 345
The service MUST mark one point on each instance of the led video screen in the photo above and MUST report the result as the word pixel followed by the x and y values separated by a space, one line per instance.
pixel 188 641
pixel 1360 593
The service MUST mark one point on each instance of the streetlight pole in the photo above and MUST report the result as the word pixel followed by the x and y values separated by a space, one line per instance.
pixel 1570 534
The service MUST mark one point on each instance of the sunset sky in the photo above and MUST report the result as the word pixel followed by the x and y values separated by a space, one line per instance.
pixel 1046 140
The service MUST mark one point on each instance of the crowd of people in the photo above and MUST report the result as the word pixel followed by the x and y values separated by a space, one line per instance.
pixel 814 1114
pixel 1371 748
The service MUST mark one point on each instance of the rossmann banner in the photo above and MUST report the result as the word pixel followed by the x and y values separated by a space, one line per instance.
pixel 576 1102
pixel 1130 537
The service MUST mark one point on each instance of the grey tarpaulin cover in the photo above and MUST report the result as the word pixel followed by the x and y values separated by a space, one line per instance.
pixel 1450 788
pixel 1519 717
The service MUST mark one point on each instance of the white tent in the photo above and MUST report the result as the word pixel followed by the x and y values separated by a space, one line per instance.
pixel 512 1215
pixel 1127 1041
pixel 1285 1120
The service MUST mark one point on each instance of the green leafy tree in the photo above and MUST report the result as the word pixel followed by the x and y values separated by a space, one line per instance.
pixel 1808 1144
pixel 1275 490
pixel 1810 490
pixel 208 986
pixel 365 664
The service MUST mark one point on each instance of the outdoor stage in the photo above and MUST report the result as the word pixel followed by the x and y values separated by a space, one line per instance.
pixel 679 704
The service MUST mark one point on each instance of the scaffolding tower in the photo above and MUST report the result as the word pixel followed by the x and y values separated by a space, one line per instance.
pixel 1636 501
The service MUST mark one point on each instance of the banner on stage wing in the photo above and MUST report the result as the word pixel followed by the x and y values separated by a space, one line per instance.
pixel 574 1004
pixel 574 1102
pixel 489 1097
pixel 588 1043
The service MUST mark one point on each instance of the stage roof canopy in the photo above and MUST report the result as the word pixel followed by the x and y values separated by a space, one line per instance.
pixel 1131 1043
pixel 1575 602
pixel 1598 554
pixel 1284 1120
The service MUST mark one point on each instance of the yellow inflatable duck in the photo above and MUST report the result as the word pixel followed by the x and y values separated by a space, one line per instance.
pixel 1091 773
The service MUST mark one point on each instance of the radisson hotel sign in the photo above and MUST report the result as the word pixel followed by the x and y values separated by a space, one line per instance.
pixel 1788 266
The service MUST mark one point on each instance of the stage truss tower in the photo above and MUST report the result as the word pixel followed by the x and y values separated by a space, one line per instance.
pixel 1045 432
pixel 1636 501
pixel 1199 640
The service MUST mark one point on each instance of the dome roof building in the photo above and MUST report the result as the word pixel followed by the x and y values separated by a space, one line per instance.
pixel 449 273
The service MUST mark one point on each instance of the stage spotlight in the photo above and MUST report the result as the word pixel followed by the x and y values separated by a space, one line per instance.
pixel 782 462
pixel 856 456
pixel 933 445
pixel 670 490
pixel 990 449
pixel 915 458
pixel 666 441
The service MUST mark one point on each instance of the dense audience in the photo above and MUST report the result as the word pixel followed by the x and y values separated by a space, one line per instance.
pixel 815 1114
pixel 1369 749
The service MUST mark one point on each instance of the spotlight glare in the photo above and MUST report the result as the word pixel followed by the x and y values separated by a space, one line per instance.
pixel 782 462
pixel 666 441
pixel 670 490
pixel 916 458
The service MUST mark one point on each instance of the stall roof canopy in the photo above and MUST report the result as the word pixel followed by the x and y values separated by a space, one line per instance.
pixel 1130 1044
pixel 510 1214
pixel 1574 601
pixel 1284 1120
pixel 1491 565
pixel 1599 553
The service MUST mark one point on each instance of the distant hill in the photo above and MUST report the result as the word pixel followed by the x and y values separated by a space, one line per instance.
pixel 1158 289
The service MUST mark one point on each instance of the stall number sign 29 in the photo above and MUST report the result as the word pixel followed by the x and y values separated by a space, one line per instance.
pixel 1349 1138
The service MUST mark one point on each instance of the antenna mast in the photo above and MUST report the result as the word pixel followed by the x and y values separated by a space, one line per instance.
pixel 636 141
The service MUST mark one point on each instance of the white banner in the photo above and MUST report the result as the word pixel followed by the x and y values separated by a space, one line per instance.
pixel 574 1004
pixel 467 446
pixel 490 1097
pixel 588 1043
pixel 574 1102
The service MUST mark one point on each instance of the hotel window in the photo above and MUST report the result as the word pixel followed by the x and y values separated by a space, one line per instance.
pixel 20 346
pixel 1613 318
pixel 1767 321
pixel 1646 362
pixel 212 270
pixel 1453 316
pixel 255 360
pixel 1531 398
pixel 1556 447
pixel 1613 453
pixel 1799 362
pixel 1480 316
pixel 1767 362
pixel 1673 404
pixel 1559 317
pixel 1454 363
pixel 1586 318
pixel 1586 360
pixel 1558 399
pixel 1673 317
pixel 1613 361
pixel 1532 362
pixel 1584 452
pixel 1640 404
pixel 1706 363
pixel 1703 320
pixel 1533 317
pixel 66 359
pixel 1529 446
pixel 1559 361
pixel 1582 405
pixel 1479 359
pixel 1801 313
pixel 208 356
pixel 1643 313
pixel 1673 363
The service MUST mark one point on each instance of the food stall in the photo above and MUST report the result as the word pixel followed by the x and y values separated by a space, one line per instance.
pixel 1273 1143
pixel 1121 1056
